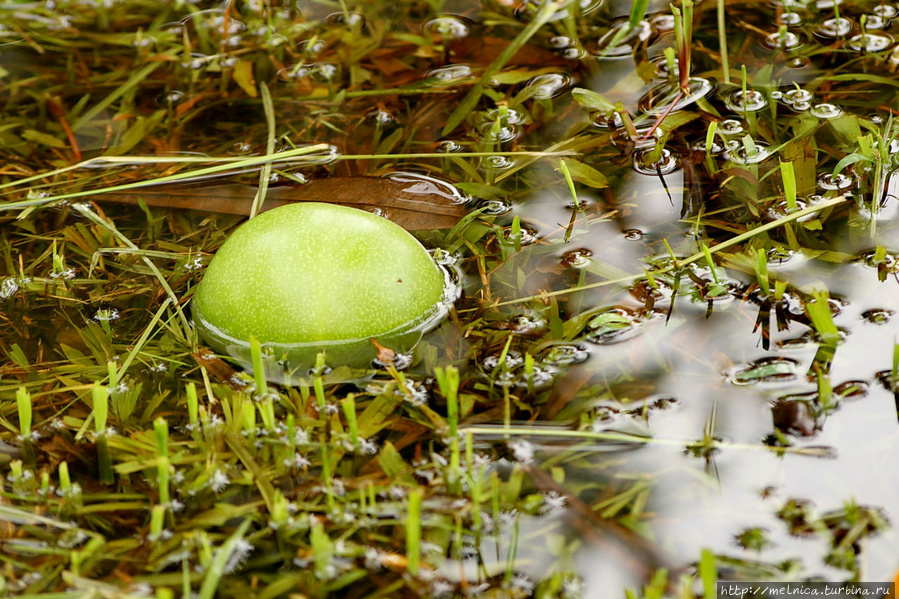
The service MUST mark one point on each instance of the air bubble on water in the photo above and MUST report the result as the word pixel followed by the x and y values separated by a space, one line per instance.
pixel 633 234
pixel 870 42
pixel 786 40
pixel 613 325
pixel 659 100
pixel 559 42
pixel 776 95
pixel 833 28
pixel 789 19
pixel 544 87
pixel 826 110
pixel 751 101
pixel 447 75
pixel 780 256
pixel 838 182
pixel 644 164
pixel 625 36
pixel 447 27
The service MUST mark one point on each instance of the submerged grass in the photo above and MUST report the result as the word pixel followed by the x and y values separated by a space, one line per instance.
pixel 136 462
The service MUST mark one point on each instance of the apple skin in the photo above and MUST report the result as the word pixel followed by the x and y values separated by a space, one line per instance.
pixel 311 277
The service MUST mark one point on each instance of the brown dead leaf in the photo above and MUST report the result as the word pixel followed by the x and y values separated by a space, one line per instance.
pixel 414 203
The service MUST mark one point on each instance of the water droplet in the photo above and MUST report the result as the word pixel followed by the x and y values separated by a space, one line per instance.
pixel 447 28
pixel 825 110
pixel 775 369
pixel 833 28
pixel 658 100
pixel 447 75
pixel 613 325
pixel 751 101
pixel 644 164
pixel 870 42
pixel 544 87
pixel 625 38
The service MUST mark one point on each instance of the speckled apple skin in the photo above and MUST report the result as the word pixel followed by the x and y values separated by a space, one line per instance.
pixel 313 272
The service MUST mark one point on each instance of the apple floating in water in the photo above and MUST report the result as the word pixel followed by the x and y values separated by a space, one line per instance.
pixel 310 278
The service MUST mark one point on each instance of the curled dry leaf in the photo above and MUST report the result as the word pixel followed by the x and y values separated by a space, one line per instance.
pixel 413 202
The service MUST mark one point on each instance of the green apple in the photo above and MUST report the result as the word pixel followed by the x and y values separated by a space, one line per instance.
pixel 310 278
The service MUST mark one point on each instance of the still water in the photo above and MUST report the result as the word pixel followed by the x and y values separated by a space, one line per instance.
pixel 675 402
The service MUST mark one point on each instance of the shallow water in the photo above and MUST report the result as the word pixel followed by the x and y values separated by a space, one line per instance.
pixel 732 404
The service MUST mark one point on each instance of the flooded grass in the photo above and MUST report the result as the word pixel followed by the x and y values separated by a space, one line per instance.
pixel 674 359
